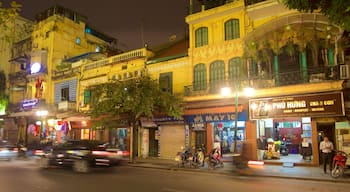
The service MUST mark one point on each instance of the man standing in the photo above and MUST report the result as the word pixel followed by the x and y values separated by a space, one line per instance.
pixel 326 147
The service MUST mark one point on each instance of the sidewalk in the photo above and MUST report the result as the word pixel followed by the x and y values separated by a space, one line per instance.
pixel 278 171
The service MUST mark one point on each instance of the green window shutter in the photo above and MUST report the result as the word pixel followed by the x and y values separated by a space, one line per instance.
pixel 232 29
pixel 205 36
pixel 87 96
pixel 217 76
pixel 200 77
pixel 201 37
pixel 235 27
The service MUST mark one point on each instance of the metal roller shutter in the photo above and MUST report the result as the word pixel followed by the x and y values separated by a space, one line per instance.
pixel 172 137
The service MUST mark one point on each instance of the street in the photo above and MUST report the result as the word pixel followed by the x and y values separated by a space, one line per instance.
pixel 20 176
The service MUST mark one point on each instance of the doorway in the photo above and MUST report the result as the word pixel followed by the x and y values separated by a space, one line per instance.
pixel 153 142
pixel 325 129
pixel 201 139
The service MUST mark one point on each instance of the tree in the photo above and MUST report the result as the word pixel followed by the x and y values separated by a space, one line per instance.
pixel 13 29
pixel 3 96
pixel 337 11
pixel 136 98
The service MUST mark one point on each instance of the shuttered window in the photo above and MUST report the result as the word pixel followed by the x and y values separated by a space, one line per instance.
pixel 201 36
pixel 200 77
pixel 217 76
pixel 232 29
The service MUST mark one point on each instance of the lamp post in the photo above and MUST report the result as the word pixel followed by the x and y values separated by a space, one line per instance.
pixel 226 91
pixel 42 114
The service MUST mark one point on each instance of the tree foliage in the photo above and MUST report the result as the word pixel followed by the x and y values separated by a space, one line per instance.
pixel 3 96
pixel 138 97
pixel 338 11
pixel 10 30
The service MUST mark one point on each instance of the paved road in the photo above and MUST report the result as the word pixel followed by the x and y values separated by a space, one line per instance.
pixel 19 176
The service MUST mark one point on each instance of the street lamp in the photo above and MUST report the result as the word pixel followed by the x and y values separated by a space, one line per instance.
pixel 42 114
pixel 226 91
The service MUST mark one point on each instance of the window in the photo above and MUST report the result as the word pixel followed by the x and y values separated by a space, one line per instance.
pixel 234 68
pixel 200 77
pixel 232 29
pixel 217 76
pixel 65 94
pixel 165 82
pixel 201 36
pixel 77 41
pixel 97 49
pixel 87 96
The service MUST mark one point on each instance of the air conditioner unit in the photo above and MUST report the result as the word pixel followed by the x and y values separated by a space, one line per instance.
pixel 344 72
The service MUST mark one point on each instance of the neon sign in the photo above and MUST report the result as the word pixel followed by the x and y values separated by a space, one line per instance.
pixel 29 103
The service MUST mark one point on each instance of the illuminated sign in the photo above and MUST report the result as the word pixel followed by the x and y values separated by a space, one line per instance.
pixel 29 103
pixel 315 105
pixel 35 68
pixel 215 117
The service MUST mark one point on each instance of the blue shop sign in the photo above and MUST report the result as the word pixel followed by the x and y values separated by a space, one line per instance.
pixel 215 117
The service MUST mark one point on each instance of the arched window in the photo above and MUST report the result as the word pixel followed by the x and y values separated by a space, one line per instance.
pixel 201 36
pixel 200 77
pixel 232 29
pixel 234 69
pixel 217 76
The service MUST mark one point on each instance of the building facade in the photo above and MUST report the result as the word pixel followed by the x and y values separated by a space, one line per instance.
pixel 58 34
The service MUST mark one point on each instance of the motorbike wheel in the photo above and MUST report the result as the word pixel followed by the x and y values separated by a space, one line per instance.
pixel 221 164
pixel 337 171
pixel 210 164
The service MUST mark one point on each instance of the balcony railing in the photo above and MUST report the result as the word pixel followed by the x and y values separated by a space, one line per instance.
pixel 65 73
pixel 311 75
pixel 116 59
pixel 66 106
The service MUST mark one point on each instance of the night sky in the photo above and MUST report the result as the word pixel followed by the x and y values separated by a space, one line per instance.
pixel 125 20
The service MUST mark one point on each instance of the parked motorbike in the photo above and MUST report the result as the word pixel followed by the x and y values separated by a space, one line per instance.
pixel 339 164
pixel 184 158
pixel 214 159
pixel 198 158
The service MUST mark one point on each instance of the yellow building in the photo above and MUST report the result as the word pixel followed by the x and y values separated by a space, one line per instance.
pixel 58 34
pixel 293 60
pixel 17 35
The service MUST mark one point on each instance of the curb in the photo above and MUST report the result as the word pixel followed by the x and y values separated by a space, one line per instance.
pixel 233 173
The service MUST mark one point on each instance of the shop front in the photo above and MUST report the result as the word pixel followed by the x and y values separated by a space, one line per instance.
pixel 290 128
pixel 172 135
pixel 217 130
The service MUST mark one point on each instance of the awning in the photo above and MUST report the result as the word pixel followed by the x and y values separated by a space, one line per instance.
pixel 145 122
pixel 22 114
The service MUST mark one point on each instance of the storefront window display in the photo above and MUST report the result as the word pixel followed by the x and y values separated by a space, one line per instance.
pixel 224 134
pixel 284 139
pixel 119 138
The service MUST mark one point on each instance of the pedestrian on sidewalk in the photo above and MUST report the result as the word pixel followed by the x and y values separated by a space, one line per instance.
pixel 326 146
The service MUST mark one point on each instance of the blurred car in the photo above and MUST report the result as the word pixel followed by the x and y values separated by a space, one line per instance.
pixel 81 155
pixel 8 151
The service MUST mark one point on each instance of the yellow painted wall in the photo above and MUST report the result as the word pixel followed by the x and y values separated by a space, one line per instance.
pixel 181 72
pixel 57 36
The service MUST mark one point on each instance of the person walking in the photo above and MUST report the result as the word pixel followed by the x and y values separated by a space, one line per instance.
pixel 326 148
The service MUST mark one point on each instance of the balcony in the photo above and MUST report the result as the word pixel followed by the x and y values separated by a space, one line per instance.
pixel 65 73
pixel 311 75
pixel 66 106
pixel 19 76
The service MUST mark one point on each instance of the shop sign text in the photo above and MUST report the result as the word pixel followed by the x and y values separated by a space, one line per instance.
pixel 327 104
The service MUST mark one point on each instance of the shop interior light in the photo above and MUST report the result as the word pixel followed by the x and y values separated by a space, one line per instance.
pixel 255 162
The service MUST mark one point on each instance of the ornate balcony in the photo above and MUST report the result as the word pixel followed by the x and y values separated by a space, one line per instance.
pixel 311 75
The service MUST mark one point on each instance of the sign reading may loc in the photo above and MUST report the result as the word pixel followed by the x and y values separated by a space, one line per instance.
pixel 315 105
